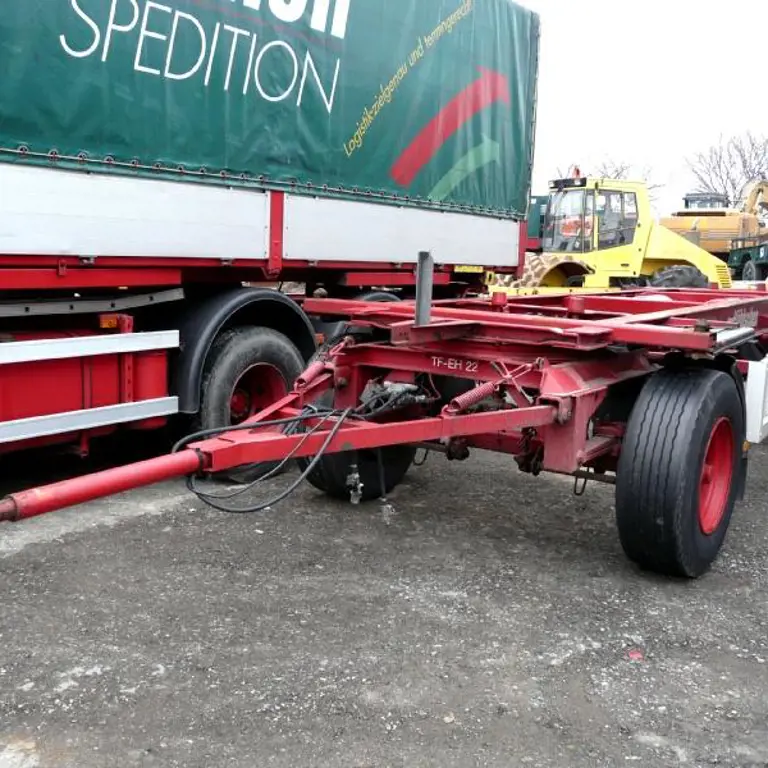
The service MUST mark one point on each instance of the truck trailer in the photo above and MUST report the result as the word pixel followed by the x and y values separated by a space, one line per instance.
pixel 165 168
pixel 659 392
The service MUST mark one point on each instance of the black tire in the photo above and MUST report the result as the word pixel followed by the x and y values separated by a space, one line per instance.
pixel 751 272
pixel 664 521
pixel 679 276
pixel 330 474
pixel 234 354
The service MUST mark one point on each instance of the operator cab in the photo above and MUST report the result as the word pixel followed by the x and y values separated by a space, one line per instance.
pixel 589 216
pixel 704 201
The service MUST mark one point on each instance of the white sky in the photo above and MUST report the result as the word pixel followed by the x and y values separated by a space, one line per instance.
pixel 647 82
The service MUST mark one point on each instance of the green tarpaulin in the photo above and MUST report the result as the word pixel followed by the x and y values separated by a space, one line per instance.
pixel 406 100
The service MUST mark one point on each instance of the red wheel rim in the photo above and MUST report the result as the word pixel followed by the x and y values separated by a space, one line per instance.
pixel 716 476
pixel 260 386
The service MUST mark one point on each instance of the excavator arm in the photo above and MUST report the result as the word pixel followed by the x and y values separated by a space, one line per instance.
pixel 753 193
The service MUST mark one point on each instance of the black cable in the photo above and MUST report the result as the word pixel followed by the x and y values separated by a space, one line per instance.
pixel 270 474
pixel 362 412
pixel 214 431
pixel 292 420
pixel 290 489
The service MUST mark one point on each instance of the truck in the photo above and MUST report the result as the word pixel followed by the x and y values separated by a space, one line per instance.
pixel 167 170
pixel 748 259
pixel 595 233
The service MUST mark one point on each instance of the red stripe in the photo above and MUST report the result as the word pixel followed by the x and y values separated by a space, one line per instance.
pixel 276 233
pixel 490 87
pixel 522 248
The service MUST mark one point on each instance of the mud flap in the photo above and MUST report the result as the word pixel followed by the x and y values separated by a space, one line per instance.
pixel 741 480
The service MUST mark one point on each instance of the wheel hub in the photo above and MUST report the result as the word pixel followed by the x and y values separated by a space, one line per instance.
pixel 716 477
pixel 258 387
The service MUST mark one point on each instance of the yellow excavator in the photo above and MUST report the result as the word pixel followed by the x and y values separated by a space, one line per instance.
pixel 708 219
pixel 600 233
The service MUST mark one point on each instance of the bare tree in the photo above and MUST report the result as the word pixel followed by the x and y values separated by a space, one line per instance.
pixel 605 170
pixel 610 169
pixel 728 166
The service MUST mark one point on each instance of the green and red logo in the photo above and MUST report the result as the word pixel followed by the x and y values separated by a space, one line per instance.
pixel 489 89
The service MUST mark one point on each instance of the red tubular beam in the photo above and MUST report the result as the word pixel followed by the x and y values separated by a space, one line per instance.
pixel 242 447
pixel 67 493
pixel 311 373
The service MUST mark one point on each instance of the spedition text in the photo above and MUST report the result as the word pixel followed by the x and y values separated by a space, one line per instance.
pixel 177 45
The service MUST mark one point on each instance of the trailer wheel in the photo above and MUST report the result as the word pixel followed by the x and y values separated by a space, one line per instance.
pixel 247 369
pixel 677 477
pixel 679 276
pixel 330 474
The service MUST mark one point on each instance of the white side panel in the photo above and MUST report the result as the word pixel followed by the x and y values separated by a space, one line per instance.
pixel 75 421
pixel 757 401
pixel 337 230
pixel 15 352
pixel 65 213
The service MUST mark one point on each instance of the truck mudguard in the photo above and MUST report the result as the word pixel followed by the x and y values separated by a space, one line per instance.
pixel 202 321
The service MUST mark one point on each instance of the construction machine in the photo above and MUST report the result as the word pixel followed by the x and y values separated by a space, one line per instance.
pixel 600 233
pixel 711 222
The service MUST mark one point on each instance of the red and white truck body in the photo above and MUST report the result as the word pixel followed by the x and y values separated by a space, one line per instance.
pixel 166 169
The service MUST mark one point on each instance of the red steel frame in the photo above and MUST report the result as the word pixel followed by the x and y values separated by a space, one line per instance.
pixel 544 363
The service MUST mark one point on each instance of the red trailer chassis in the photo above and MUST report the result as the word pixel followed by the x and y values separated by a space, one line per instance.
pixel 655 392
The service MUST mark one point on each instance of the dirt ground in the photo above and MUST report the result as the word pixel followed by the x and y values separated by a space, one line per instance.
pixel 490 620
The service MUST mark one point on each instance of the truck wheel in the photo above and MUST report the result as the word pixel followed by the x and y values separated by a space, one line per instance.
pixel 751 272
pixel 679 276
pixel 677 477
pixel 247 369
pixel 330 474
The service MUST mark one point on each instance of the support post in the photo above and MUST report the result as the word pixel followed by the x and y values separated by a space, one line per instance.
pixel 425 272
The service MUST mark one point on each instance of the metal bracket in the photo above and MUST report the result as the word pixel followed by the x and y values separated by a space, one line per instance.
pixel 425 273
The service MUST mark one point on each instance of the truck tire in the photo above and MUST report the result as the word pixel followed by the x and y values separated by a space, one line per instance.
pixel 677 477
pixel 247 369
pixel 751 272
pixel 679 276
pixel 330 474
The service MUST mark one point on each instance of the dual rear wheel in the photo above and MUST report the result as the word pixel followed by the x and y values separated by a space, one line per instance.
pixel 248 369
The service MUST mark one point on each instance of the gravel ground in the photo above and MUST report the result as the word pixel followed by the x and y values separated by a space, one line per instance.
pixel 490 620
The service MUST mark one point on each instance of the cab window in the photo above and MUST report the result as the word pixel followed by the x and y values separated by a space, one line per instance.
pixel 616 217
pixel 569 221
